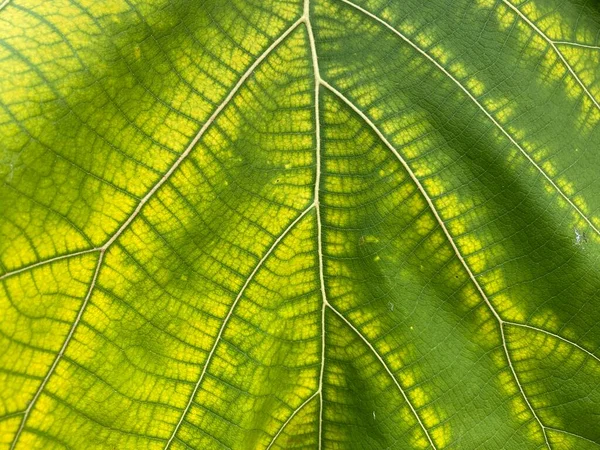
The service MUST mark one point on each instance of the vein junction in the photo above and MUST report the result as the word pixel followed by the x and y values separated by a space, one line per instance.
pixel 315 206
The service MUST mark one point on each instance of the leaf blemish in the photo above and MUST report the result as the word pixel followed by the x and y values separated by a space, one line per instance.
pixel 580 237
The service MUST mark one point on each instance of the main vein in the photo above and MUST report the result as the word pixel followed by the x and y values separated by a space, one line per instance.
pixel 318 81
pixel 317 118
pixel 458 253
pixel 325 304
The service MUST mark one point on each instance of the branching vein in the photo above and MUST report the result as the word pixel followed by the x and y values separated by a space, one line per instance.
pixel 388 370
pixel 479 105
pixel 552 44
pixel 319 83
pixel 228 317
pixel 48 261
pixel 289 419
pixel 556 336
pixel 576 44
pixel 558 430
pixel 442 224
pixel 59 354
pixel 135 213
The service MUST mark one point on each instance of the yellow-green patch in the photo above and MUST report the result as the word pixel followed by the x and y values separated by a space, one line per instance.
pixel 300 224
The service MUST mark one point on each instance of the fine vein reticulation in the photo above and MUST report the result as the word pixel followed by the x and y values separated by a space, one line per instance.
pixel 359 232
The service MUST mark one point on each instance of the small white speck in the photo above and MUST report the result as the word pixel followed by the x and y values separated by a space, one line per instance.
pixel 580 237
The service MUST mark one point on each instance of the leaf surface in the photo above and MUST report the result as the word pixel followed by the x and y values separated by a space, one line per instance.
pixel 300 224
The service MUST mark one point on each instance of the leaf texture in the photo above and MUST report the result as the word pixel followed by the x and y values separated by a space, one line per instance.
pixel 291 224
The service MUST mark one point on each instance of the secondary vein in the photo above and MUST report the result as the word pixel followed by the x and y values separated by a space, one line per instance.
pixel 479 105
pixel 228 317
pixel 552 44
pixel 59 354
pixel 135 213
pixel 457 252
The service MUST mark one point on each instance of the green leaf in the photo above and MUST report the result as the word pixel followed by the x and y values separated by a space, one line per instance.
pixel 300 224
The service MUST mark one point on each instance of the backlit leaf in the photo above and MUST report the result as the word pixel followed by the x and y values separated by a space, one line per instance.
pixel 261 224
